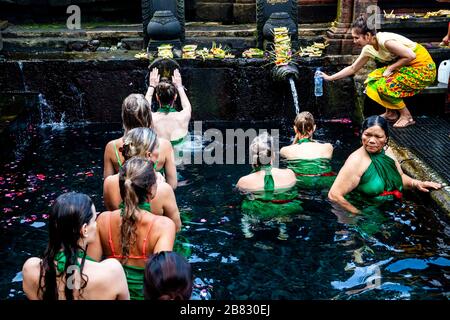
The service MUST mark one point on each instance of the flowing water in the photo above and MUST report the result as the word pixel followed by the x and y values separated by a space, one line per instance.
pixel 294 95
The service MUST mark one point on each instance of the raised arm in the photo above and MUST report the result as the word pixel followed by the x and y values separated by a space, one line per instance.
pixel 347 71
pixel 346 181
pixel 178 83
pixel 153 82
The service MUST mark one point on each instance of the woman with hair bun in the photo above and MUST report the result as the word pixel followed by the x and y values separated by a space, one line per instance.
pixel 409 69
pixel 131 233
pixel 309 159
pixel 270 191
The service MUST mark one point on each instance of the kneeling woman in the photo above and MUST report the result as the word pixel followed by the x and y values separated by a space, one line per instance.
pixel 65 272
pixel 372 171
pixel 132 233
pixel 270 191
pixel 143 142
pixel 309 159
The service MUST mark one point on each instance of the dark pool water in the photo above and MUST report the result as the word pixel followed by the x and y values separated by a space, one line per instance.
pixel 400 252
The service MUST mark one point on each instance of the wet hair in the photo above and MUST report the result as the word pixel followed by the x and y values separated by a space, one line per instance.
pixel 166 92
pixel 136 179
pixel 376 121
pixel 136 112
pixel 361 27
pixel 167 276
pixel 68 215
pixel 138 141
pixel 304 122
pixel 261 150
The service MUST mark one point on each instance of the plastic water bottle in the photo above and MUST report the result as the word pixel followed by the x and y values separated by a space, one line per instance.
pixel 318 83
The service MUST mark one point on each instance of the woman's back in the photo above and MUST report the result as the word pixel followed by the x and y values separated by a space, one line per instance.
pixel 104 281
pixel 307 150
pixel 254 182
pixel 153 234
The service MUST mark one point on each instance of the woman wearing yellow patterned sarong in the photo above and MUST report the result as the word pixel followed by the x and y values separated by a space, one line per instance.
pixel 410 69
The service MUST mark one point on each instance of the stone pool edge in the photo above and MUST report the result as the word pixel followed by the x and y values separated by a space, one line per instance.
pixel 417 168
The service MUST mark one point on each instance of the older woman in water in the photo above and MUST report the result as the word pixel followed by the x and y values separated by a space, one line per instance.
pixel 372 170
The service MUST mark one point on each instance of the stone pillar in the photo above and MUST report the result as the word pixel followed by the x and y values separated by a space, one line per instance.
pixel 244 11
pixel 149 7
pixel 265 8
pixel 339 36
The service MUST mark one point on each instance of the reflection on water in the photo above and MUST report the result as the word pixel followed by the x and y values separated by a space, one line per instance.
pixel 398 252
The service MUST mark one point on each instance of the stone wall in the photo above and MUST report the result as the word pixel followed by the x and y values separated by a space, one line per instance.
pixel 235 89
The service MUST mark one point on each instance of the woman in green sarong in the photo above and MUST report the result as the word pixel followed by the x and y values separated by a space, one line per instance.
pixel 270 192
pixel 372 173
pixel 65 271
pixel 143 142
pixel 131 233
pixel 136 113
pixel 309 159
pixel 169 123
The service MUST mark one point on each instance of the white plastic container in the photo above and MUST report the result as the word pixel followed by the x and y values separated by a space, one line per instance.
pixel 444 71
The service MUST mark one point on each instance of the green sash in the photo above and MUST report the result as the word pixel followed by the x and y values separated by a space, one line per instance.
pixel 144 206
pixel 167 109
pixel 61 260
pixel 271 203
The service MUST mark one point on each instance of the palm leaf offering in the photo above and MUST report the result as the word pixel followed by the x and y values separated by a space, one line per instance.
pixel 253 53
pixel 282 44
pixel 165 51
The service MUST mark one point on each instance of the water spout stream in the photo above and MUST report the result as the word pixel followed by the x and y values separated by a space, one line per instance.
pixel 22 76
pixel 294 95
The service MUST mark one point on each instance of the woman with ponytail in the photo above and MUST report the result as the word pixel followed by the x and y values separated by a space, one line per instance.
pixel 309 159
pixel 66 272
pixel 142 142
pixel 131 233
pixel 136 112
pixel 269 191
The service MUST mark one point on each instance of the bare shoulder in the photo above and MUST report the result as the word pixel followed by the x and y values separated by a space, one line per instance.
pixel 328 146
pixel 356 157
pixel 244 182
pixel 164 223
pixel 164 189
pixel 164 144
pixel 111 266
pixel 111 180
pixel 31 266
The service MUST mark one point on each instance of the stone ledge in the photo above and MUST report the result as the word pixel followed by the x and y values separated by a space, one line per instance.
pixel 413 166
